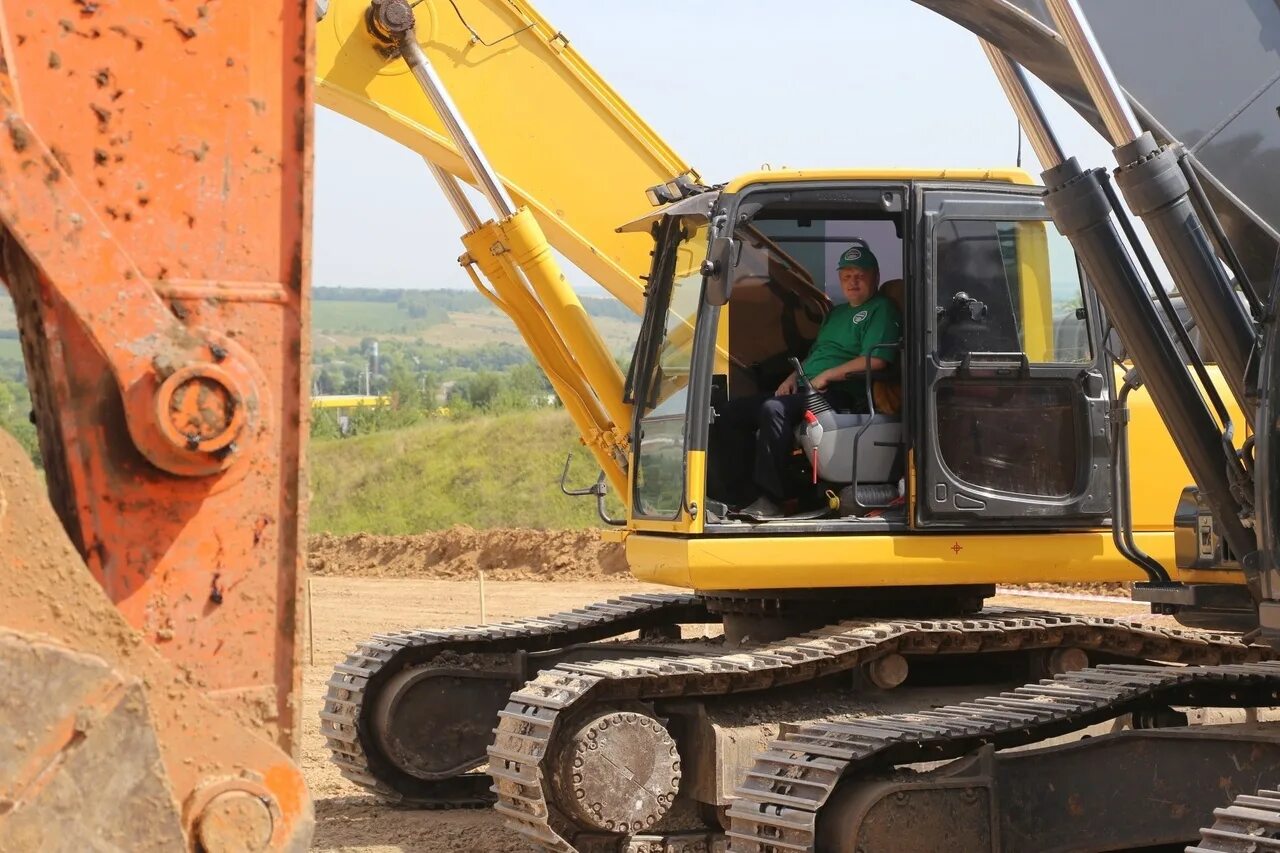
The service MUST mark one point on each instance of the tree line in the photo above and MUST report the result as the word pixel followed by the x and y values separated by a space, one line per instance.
pixel 436 303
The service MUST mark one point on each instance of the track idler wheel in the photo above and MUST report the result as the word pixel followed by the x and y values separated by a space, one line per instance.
pixel 619 771
pixel 434 722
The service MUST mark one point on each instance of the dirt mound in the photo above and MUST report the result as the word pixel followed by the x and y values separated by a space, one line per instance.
pixel 506 554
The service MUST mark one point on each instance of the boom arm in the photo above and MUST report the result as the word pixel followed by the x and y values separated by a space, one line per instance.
pixel 522 117
pixel 564 143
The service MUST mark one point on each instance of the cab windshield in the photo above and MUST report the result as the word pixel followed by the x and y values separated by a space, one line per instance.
pixel 663 386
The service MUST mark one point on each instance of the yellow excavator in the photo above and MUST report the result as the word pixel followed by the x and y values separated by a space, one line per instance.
pixel 154 173
pixel 1007 461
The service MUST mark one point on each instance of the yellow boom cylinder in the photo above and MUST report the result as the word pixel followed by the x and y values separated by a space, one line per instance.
pixel 532 253
pixel 591 419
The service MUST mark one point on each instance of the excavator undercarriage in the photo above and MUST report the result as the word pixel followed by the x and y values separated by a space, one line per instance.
pixel 638 745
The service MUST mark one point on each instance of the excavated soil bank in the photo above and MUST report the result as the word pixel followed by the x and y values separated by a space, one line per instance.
pixel 505 554
pixel 514 554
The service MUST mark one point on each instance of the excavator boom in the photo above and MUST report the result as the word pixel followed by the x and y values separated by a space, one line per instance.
pixel 562 140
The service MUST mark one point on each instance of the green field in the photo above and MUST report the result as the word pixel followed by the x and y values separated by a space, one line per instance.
pixel 457 319
pixel 498 471
pixel 351 317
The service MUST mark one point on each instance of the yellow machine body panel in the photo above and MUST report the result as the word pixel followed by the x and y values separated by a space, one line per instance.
pixel 917 558
pixel 1156 471
pixel 908 559
pixel 1035 282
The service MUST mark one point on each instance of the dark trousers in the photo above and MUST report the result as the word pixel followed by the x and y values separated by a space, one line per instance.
pixel 752 442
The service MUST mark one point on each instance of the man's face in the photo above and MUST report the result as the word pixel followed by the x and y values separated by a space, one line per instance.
pixel 858 284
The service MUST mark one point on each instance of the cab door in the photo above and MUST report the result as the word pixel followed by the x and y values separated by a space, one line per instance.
pixel 668 383
pixel 1013 431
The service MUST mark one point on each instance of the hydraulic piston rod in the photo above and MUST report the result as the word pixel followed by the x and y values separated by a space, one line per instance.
pixel 519 238
pixel 396 21
pixel 1157 191
pixel 1089 60
pixel 1025 106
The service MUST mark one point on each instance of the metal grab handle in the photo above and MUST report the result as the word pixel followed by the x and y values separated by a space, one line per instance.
pixel 995 361
pixel 599 489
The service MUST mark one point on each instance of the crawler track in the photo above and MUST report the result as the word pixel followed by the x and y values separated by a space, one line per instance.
pixel 524 755
pixel 782 796
pixel 344 717
pixel 1251 824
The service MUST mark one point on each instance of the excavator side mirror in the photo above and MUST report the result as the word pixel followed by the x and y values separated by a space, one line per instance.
pixel 721 255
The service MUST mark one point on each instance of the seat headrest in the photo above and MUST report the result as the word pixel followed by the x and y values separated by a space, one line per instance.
pixel 892 289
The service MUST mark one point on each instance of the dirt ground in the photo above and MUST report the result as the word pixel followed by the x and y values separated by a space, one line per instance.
pixel 348 609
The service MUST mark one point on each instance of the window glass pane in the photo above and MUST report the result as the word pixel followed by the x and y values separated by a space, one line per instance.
pixel 1015 437
pixel 1009 287
pixel 659 479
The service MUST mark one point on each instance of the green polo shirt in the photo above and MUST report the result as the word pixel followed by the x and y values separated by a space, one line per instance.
pixel 852 330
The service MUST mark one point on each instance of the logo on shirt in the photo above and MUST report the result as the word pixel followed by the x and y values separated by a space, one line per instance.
pixel 859 317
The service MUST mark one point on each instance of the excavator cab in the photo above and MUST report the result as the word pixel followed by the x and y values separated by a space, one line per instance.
pixel 998 416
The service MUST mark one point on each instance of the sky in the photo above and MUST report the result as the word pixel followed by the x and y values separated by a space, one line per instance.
pixel 731 86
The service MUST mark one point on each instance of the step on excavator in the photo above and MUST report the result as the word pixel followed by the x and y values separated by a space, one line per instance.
pixel 842 686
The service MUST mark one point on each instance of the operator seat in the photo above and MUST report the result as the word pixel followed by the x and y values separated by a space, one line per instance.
pixel 831 440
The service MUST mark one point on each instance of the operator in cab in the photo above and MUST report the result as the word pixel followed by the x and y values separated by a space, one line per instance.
pixel 753 437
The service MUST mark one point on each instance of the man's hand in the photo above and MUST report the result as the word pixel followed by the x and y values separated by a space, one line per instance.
pixel 822 380
pixel 788 386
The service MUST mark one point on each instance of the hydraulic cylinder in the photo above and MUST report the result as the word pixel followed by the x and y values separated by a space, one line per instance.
pixel 1156 190
pixel 1079 206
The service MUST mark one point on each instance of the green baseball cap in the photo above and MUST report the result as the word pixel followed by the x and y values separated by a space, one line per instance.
pixel 858 256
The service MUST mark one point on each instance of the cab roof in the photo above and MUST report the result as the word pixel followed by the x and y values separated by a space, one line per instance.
pixel 1005 175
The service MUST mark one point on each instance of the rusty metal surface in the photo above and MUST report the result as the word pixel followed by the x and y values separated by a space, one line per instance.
pixel 235 822
pixel 73 725
pixel 156 160
pixel 98 724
